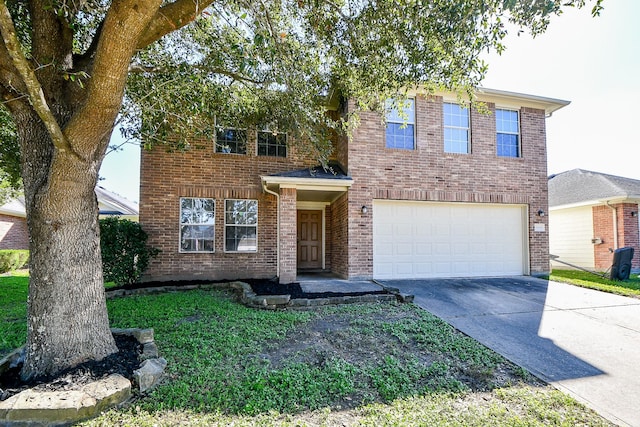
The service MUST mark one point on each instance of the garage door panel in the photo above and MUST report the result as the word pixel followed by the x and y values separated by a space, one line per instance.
pixel 447 240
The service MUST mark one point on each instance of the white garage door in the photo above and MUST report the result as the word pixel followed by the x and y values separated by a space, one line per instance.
pixel 429 239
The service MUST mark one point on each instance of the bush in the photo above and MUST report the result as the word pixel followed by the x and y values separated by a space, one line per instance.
pixel 12 259
pixel 125 254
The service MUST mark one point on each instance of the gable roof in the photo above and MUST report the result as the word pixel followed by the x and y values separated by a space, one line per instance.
pixel 113 204
pixel 108 203
pixel 583 187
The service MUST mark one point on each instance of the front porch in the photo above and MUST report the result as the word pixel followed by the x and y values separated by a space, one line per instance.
pixel 309 227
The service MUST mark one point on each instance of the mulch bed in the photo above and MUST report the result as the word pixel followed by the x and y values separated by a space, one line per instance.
pixel 259 286
pixel 124 362
pixel 271 287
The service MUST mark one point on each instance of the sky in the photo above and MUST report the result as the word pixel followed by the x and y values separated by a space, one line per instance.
pixel 592 62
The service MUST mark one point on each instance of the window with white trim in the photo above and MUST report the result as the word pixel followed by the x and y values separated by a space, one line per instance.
pixel 240 225
pixel 456 128
pixel 231 141
pixel 507 133
pixel 401 121
pixel 272 143
pixel 197 224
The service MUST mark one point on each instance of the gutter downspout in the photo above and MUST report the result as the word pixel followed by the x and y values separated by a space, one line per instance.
pixel 264 187
pixel 615 224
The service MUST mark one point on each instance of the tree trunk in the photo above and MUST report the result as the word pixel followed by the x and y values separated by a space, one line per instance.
pixel 68 322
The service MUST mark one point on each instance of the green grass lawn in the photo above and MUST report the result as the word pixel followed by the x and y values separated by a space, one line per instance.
pixel 363 364
pixel 629 287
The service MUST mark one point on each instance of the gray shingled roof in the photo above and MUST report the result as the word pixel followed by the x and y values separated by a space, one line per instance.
pixel 578 185
pixel 332 171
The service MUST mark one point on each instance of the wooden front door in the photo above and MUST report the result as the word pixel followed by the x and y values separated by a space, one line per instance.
pixel 309 240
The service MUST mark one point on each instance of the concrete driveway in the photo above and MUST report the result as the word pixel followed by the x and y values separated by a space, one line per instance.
pixel 584 342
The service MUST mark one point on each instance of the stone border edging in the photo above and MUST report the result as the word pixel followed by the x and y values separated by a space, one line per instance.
pixel 270 302
pixel 56 408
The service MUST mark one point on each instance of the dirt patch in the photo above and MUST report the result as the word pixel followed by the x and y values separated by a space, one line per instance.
pixel 124 362
pixel 368 340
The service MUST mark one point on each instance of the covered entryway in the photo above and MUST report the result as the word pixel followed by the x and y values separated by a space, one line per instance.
pixel 310 239
pixel 436 239
pixel 304 198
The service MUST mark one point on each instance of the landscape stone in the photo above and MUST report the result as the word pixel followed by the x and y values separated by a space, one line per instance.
pixel 149 351
pixel 149 373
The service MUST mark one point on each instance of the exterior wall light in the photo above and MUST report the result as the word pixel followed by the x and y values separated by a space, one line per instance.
pixel 364 209
pixel 540 212
pixel 634 213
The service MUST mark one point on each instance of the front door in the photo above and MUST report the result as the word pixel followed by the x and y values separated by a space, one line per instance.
pixel 309 240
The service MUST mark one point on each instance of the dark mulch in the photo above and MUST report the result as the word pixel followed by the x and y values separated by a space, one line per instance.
pixel 259 286
pixel 124 362
pixel 272 287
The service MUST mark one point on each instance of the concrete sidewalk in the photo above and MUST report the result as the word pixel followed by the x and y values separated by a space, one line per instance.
pixel 584 342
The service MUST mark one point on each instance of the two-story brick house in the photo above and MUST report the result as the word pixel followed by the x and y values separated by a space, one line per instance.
pixel 439 191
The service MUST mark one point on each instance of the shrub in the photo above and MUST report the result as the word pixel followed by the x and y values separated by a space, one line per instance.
pixel 13 259
pixel 125 254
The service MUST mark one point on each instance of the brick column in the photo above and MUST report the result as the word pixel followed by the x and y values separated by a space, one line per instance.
pixel 288 235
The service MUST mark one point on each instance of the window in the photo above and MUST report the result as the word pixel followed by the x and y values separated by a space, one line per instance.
pixel 197 224
pixel 456 128
pixel 229 140
pixel 508 133
pixel 272 144
pixel 240 225
pixel 401 125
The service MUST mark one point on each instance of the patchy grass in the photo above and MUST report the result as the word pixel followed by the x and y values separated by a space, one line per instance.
pixel 364 364
pixel 630 288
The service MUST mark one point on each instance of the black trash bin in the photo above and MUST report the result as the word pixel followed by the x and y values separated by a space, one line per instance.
pixel 621 267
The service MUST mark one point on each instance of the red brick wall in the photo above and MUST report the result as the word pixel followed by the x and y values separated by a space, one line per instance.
pixel 340 236
pixel 165 177
pixel 628 233
pixel 428 173
pixel 14 233
pixel 288 235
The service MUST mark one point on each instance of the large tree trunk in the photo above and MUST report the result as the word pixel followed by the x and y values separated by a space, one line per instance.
pixel 68 322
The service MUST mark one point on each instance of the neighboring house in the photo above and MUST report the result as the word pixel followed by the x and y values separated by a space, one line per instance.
pixel 13 219
pixel 450 193
pixel 590 215
pixel 13 225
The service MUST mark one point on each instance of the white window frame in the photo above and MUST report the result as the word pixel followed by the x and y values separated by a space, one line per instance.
pixel 216 148
pixel 518 134
pixel 267 131
pixel 405 119
pixel 201 224
pixel 467 128
pixel 226 225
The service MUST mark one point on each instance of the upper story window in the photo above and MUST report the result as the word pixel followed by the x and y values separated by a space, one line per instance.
pixel 272 144
pixel 508 133
pixel 401 124
pixel 230 140
pixel 240 225
pixel 197 224
pixel 456 128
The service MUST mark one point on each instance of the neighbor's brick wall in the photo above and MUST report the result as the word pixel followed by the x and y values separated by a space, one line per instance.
pixel 14 233
pixel 628 233
pixel 165 177
pixel 428 173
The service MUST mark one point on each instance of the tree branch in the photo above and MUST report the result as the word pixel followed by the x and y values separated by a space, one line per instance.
pixel 28 76
pixel 139 69
pixel 171 17
pixel 122 28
